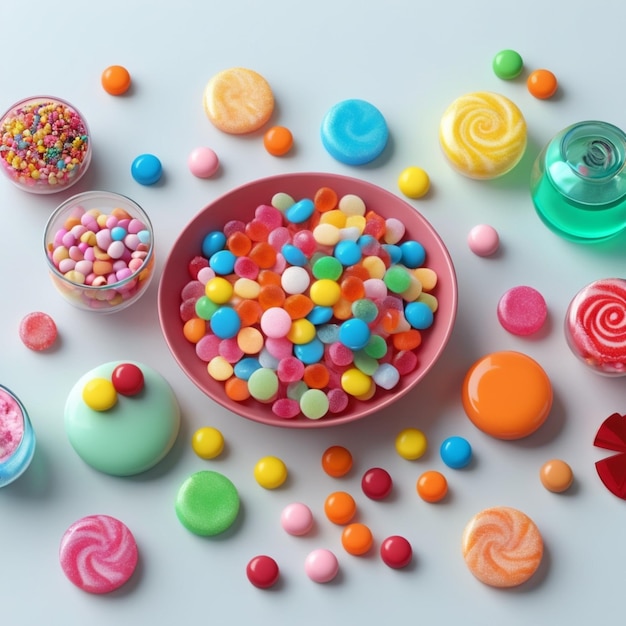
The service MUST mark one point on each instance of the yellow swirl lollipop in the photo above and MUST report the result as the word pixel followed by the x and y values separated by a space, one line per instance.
pixel 483 135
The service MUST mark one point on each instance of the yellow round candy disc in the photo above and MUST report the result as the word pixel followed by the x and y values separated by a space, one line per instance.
pixel 207 442
pixel 270 472
pixel 414 182
pixel 99 394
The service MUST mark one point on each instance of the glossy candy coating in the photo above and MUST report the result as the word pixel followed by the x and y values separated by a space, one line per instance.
pixel 396 552
pixel 411 443
pixel 115 80
pixel 203 162
pixel 238 100
pixel 263 571
pixel 483 135
pixel 502 547
pixel 376 483
pixel 413 182
pixel 207 442
pixel 542 84
pixel 146 169
pixel 507 395
pixel 321 565
pixel 357 539
pixel 278 140
pixel 354 132
pixel 456 452
pixel 337 461
pixel 340 507
pixel 556 475
pixel 483 240
pixel 130 437
pixel 432 486
pixel 296 519
pixel 507 64
pixel 270 472
pixel 207 503
pixel 98 553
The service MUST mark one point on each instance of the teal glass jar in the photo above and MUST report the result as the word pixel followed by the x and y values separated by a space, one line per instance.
pixel 17 438
pixel 578 182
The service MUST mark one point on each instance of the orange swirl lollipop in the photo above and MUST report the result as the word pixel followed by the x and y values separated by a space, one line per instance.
pixel 502 547
pixel 483 135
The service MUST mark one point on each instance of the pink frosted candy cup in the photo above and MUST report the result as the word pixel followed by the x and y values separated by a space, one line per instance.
pixel 236 208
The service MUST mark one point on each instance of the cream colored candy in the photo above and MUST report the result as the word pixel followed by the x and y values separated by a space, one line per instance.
pixel 238 101
pixel 483 135
pixel 502 547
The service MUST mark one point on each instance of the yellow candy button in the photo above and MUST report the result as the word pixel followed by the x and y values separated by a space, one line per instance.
pixel 411 443
pixel 207 442
pixel 507 395
pixel 270 472
pixel 99 394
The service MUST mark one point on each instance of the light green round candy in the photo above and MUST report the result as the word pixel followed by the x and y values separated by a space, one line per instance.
pixel 263 384
pixel 397 279
pixel 205 307
pixel 507 64
pixel 327 267
pixel 314 404
pixel 365 310
pixel 365 363
pixel 282 201
pixel 295 390
pixel 376 347
pixel 207 503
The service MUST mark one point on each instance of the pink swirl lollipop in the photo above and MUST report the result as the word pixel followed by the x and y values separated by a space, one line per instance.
pixel 98 553
pixel 595 326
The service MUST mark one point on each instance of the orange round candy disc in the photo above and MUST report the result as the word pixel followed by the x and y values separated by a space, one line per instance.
pixel 337 461
pixel 507 395
pixel 357 539
pixel 278 140
pixel 115 80
pixel 542 84
pixel 340 507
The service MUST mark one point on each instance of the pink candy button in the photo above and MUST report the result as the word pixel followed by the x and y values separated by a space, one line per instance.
pixel 296 519
pixel 483 240
pixel 522 310
pixel 98 553
pixel 321 565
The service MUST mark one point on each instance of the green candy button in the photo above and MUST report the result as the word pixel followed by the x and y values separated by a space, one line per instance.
pixel 507 64
pixel 207 503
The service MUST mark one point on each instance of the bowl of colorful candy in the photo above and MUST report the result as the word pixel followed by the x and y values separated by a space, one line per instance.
pixel 99 249
pixel 45 145
pixel 307 300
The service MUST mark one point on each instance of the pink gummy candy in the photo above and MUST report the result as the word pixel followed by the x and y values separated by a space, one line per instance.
pixel 522 310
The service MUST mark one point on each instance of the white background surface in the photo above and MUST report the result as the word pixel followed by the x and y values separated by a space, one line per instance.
pixel 410 60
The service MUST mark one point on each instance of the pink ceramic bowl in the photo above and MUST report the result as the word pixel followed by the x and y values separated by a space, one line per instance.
pixel 240 204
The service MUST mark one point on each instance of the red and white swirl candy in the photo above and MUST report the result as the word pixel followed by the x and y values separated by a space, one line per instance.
pixel 98 553
pixel 595 326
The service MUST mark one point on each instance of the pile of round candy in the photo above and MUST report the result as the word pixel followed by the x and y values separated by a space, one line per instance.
pixel 309 305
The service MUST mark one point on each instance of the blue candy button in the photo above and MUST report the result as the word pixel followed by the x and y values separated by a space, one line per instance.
pixel 456 452
pixel 146 169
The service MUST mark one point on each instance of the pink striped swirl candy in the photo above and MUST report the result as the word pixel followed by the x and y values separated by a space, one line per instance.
pixel 98 553
pixel 595 326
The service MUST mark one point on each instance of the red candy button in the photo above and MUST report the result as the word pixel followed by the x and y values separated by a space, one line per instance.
pixel 127 379
pixel 262 571
pixel 396 552
pixel 376 483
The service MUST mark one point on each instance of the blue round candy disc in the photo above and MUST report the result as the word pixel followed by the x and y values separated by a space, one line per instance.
pixel 456 452
pixel 354 132
pixel 146 169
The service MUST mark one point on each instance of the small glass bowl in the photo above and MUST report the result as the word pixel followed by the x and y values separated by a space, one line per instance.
pixel 45 145
pixel 17 436
pixel 99 248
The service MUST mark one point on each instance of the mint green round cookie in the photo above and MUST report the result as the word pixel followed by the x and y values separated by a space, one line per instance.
pixel 134 434
pixel 207 503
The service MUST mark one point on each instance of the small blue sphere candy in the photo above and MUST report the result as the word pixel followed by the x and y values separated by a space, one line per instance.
pixel 419 315
pixel 413 254
pixel 354 333
pixel 300 211
pixel 354 132
pixel 222 262
pixel 309 353
pixel 225 322
pixel 456 452
pixel 213 242
pixel 146 169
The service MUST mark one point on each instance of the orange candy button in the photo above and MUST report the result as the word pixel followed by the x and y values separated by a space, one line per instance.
pixel 337 461
pixel 507 395
pixel 556 475
pixel 340 507
pixel 357 539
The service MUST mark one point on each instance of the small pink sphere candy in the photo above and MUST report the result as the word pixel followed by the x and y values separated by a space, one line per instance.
pixel 38 331
pixel 396 552
pixel 483 240
pixel 203 162
pixel 522 310
pixel 262 571
pixel 296 519
pixel 321 565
